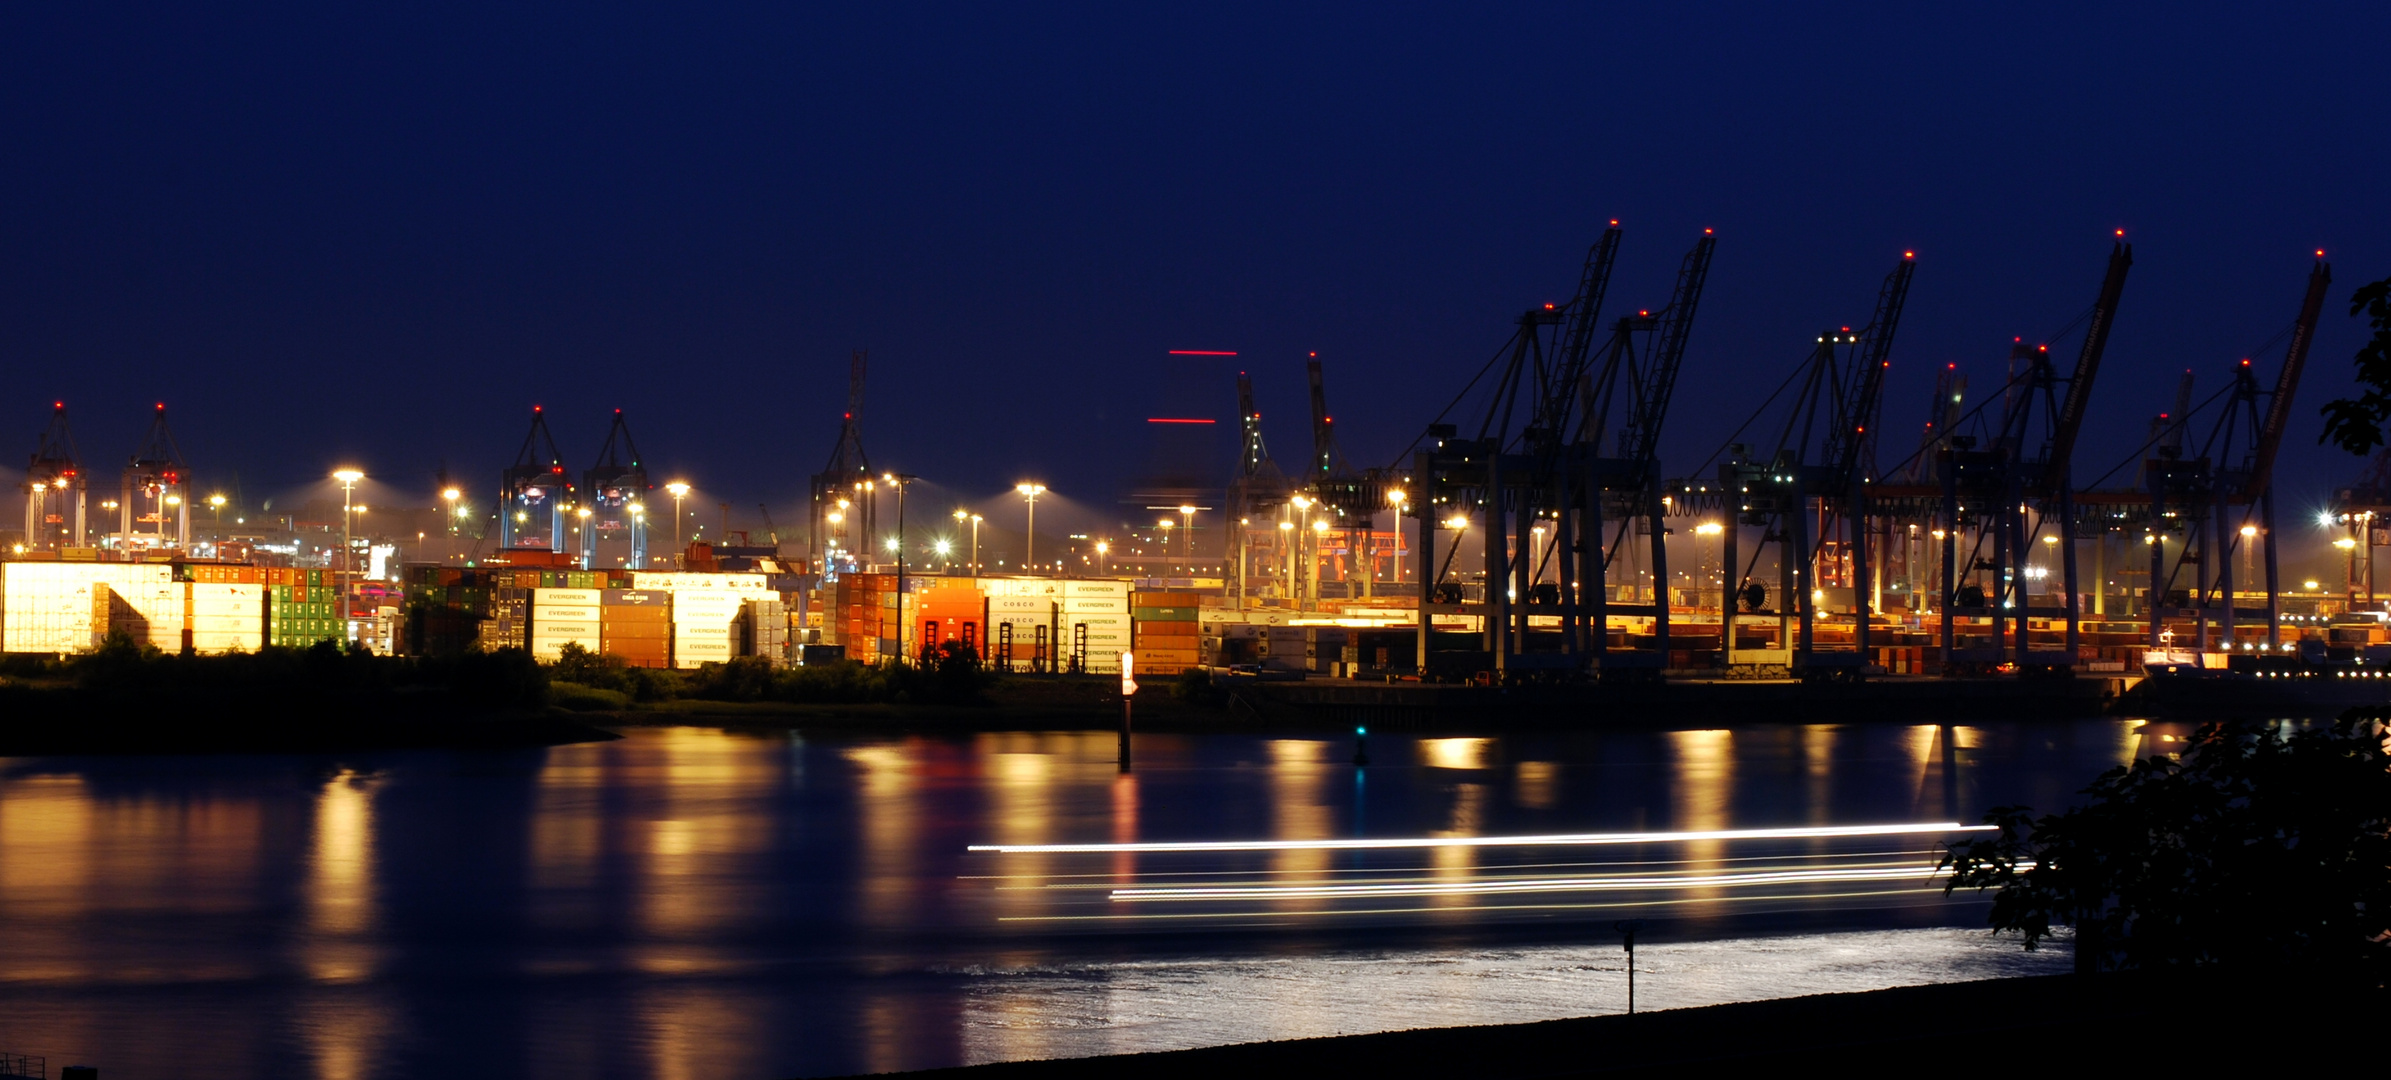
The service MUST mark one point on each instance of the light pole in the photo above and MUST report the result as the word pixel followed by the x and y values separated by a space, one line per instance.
pixel 1165 525
pixel 1288 540
pixel 677 489
pixel 1712 528
pixel 1303 510
pixel 1311 566
pixel 2249 542
pixel 899 481
pixel 1029 538
pixel 348 485
pixel 1101 548
pixel 451 495
pixel 1187 521
pixel 216 502
pixel 1395 499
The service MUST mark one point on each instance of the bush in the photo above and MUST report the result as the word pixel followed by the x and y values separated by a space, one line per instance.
pixel 508 678
pixel 2252 849
pixel 1195 686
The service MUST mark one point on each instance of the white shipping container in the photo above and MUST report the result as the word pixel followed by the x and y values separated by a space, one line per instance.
pixel 1021 587
pixel 218 644
pixel 546 612
pixel 566 597
pixel 1038 604
pixel 1096 605
pixel 560 632
pixel 1096 590
pixel 677 581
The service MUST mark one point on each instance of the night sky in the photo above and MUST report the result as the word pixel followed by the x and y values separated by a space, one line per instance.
pixel 327 234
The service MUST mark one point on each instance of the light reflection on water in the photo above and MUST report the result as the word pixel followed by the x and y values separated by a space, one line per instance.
pixel 689 902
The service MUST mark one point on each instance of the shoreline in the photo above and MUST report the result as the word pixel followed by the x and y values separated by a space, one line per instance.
pixel 2073 1022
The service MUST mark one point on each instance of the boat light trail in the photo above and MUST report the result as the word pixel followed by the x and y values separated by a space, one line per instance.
pixel 1924 876
pixel 1815 832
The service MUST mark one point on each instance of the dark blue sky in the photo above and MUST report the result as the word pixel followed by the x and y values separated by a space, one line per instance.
pixel 334 233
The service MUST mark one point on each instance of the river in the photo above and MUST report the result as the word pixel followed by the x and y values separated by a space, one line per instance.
pixel 688 902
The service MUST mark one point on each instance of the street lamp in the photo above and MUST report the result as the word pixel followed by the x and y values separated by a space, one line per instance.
pixel 451 495
pixel 217 501
pixel 1311 566
pixel 1029 539
pixel 1101 548
pixel 348 485
pixel 2249 537
pixel 677 490
pixel 1187 518
pixel 1165 525
pixel 1395 499
pixel 900 481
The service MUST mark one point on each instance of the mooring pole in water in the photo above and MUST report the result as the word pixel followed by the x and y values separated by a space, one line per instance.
pixel 1128 693
pixel 1628 929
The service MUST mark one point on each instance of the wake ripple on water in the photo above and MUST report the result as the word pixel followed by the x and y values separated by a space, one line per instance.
pixel 1148 1005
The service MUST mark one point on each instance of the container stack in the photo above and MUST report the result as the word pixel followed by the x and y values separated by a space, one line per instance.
pixel 509 622
pixel 764 631
pixel 225 617
pixel 861 614
pixel 48 607
pixel 147 610
pixel 1101 609
pixel 636 625
pixel 302 610
pixel 561 617
pixel 704 626
pixel 1165 630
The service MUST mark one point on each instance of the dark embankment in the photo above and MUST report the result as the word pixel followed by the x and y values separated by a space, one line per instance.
pixel 2188 1023
pixel 127 700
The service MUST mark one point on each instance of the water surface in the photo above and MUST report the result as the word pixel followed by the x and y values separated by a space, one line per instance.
pixel 689 902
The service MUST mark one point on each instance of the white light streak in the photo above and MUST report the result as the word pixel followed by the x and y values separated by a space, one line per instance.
pixel 1816 832
pixel 1922 874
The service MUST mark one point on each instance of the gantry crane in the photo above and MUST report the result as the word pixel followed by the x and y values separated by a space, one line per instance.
pixel 615 492
pixel 1351 497
pixel 1554 470
pixel 2232 471
pixel 157 473
pixel 840 495
pixel 1810 496
pixel 1257 488
pixel 2026 475
pixel 534 494
pixel 56 470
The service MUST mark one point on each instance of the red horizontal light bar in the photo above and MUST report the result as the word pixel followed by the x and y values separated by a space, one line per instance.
pixel 1200 352
pixel 1168 420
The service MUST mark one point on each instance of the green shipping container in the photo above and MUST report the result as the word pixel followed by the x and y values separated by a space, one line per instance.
pixel 1165 614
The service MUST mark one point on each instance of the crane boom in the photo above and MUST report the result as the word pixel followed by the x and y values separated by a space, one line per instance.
pixel 1251 454
pixel 2287 382
pixel 1577 343
pixel 1852 436
pixel 2079 385
pixel 1324 437
pixel 1641 440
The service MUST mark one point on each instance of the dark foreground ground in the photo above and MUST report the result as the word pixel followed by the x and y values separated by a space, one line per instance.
pixel 2181 1024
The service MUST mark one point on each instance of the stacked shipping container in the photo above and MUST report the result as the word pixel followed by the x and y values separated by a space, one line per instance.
pixel 636 624
pixel 1165 626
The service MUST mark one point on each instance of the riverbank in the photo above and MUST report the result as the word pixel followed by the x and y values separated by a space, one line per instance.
pixel 2194 1021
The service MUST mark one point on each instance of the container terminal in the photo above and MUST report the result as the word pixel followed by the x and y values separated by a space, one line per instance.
pixel 1531 536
